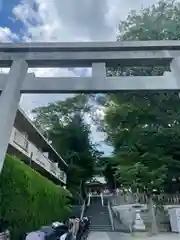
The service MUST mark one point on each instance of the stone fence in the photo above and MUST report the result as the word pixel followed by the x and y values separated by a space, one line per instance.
pixel 126 204
pixel 131 198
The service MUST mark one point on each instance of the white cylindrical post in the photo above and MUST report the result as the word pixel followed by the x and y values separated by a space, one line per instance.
pixel 9 101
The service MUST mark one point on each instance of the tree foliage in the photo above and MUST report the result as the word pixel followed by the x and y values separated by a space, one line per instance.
pixel 143 127
pixel 61 112
pixel 106 166
pixel 64 124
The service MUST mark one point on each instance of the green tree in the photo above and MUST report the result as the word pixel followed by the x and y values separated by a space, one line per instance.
pixel 143 127
pixel 144 123
pixel 106 166
pixel 64 124
pixel 61 112
pixel 139 177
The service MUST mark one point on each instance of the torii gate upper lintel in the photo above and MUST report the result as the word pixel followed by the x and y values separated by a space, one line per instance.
pixel 85 53
pixel 97 55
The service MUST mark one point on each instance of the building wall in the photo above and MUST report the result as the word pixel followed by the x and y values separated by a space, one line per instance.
pixel 20 142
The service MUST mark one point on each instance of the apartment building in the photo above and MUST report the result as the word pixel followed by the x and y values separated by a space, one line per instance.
pixel 28 143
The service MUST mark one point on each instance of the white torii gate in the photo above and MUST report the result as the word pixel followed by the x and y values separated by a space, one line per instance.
pixel 97 55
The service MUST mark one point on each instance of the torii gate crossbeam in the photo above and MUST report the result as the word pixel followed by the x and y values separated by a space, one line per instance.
pixel 97 55
pixel 85 53
pixel 51 85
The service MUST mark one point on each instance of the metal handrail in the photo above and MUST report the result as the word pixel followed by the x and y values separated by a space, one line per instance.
pixel 102 199
pixel 83 209
pixel 110 215
pixel 89 200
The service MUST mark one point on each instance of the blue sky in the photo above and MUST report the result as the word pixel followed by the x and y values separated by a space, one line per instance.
pixel 19 27
pixel 7 17
pixel 16 23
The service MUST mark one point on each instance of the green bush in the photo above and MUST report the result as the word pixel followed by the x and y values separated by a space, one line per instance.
pixel 29 200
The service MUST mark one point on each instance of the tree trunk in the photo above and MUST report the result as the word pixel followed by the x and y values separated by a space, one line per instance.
pixel 151 210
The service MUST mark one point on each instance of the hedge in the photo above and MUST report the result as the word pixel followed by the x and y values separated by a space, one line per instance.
pixel 28 200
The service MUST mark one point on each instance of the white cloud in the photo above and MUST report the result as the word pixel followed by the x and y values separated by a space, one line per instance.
pixel 70 20
pixel 67 20
pixel 30 101
pixel 6 35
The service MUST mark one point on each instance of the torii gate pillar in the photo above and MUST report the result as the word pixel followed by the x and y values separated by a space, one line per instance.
pixel 9 101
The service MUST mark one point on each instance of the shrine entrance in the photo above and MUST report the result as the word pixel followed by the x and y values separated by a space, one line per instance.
pixel 97 55
pixel 97 186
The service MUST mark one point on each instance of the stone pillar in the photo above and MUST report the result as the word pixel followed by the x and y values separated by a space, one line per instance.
pixel 175 68
pixel 98 76
pixel 98 70
pixel 9 101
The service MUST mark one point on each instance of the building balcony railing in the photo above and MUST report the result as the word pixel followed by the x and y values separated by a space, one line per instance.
pixel 20 141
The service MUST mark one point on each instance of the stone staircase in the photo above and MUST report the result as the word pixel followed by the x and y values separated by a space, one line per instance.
pixel 99 216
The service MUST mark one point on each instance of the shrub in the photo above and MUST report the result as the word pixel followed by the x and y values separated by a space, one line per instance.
pixel 29 200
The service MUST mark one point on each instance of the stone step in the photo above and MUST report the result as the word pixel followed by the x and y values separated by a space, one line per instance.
pixel 99 225
pixel 100 228
pixel 100 216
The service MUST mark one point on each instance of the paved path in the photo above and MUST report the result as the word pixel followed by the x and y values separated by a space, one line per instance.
pixel 124 236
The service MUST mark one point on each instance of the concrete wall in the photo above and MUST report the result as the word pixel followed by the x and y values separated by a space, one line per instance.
pixel 125 214
pixel 28 149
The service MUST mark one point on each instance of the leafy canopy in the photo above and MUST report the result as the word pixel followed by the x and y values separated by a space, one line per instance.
pixel 64 124
pixel 143 127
